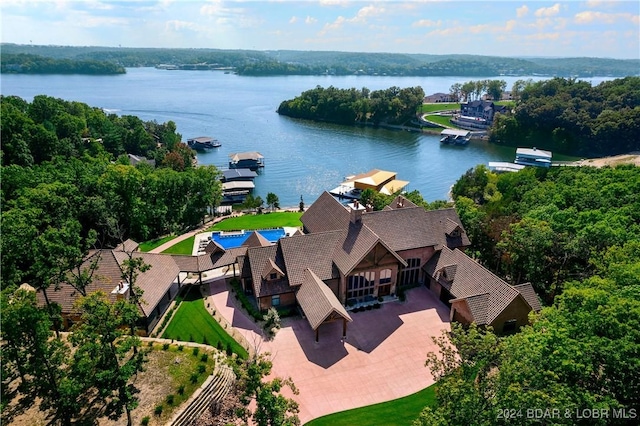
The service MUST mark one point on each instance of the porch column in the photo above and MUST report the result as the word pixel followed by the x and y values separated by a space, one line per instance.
pixel 344 328
pixel 317 329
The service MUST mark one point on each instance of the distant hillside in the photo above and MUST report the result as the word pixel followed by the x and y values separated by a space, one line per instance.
pixel 292 62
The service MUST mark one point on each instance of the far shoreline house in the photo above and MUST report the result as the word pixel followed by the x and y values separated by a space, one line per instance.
pixel 346 256
pixel 478 115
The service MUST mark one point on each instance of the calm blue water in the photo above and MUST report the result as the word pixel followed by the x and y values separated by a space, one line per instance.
pixel 237 239
pixel 301 158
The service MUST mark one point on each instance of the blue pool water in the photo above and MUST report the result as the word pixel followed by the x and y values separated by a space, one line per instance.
pixel 237 238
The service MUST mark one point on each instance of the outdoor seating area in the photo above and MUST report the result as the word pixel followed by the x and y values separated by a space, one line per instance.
pixel 368 302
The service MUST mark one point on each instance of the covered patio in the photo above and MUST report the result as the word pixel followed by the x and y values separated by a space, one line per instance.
pixel 320 305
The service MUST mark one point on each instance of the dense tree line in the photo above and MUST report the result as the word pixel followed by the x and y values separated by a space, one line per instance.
pixel 573 233
pixel 284 62
pixel 350 106
pixel 549 226
pixel 574 117
pixel 66 185
pixel 33 64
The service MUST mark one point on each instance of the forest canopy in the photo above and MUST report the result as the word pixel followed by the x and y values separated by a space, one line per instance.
pixel 34 64
pixel 67 184
pixel 573 117
pixel 574 233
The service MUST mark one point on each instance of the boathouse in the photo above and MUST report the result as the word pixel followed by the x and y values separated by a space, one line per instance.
pixel 246 160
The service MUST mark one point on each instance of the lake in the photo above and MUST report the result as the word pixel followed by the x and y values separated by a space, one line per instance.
pixel 302 158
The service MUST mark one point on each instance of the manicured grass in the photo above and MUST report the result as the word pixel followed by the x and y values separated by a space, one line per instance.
pixel 151 244
pixel 259 221
pixel 183 247
pixel 192 323
pixel 399 412
pixel 439 107
pixel 443 120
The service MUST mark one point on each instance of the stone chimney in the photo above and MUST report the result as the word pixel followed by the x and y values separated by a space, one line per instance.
pixel 356 210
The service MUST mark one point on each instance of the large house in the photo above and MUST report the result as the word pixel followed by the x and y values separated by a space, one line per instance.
pixel 348 255
pixel 344 257
pixel 478 114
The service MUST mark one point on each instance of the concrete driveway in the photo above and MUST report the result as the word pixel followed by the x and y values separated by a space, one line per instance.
pixel 382 358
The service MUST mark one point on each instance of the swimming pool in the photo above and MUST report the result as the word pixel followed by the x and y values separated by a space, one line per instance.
pixel 232 239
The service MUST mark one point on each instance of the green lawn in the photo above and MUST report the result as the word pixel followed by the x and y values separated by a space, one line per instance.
pixel 443 120
pixel 192 323
pixel 427 108
pixel 259 221
pixel 183 247
pixel 399 412
pixel 151 244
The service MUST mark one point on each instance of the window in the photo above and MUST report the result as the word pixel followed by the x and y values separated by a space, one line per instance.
pixel 509 326
pixel 360 284
pixel 385 276
pixel 273 276
pixel 275 300
pixel 411 273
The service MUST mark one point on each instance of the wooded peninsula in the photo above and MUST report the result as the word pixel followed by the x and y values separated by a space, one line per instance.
pixel 567 116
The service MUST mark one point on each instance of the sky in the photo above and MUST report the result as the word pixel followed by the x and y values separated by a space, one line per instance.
pixel 607 28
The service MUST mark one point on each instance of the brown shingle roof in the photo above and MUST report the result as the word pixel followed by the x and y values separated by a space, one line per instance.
pixel 258 258
pixel 400 202
pixel 156 281
pixel 256 240
pixel 325 214
pixel 318 301
pixel 402 229
pixel 526 290
pixel 314 251
pixel 472 280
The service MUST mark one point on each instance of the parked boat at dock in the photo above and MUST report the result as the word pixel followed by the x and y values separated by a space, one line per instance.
pixel 203 143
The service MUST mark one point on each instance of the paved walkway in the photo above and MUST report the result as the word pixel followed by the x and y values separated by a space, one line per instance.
pixel 182 237
pixel 382 358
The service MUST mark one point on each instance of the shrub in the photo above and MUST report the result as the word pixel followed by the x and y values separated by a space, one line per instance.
pixel 158 410
pixel 145 420
pixel 180 348
pixel 376 306
pixel 193 378
pixel 229 350
pixel 204 358
pixel 170 399
pixel 191 338
pixel 368 307
pixel 380 299
pixel 272 321
pixel 219 345
pixel 165 346
pixel 181 390
pixel 196 351
pixel 150 344
pixel 201 368
pixel 205 341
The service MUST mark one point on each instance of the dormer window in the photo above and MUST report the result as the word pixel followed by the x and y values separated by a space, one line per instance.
pixel 273 276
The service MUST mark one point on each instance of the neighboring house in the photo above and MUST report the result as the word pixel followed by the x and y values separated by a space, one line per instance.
pixel 439 98
pixel 160 284
pixel 134 160
pixel 482 111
